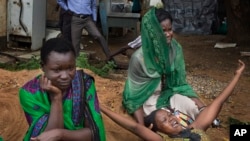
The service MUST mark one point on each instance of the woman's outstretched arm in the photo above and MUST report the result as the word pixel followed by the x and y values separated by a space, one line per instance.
pixel 206 117
pixel 134 127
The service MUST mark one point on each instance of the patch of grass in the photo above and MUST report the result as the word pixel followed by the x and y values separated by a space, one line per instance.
pixel 81 62
pixel 32 63
pixel 233 121
pixel 103 70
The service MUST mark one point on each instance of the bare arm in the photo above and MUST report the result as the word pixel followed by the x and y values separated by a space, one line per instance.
pixel 64 135
pixel 206 117
pixel 132 126
pixel 56 110
pixel 138 115
pixel 56 115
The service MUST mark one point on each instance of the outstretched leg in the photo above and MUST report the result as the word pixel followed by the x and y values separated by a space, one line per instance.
pixel 121 50
pixel 131 45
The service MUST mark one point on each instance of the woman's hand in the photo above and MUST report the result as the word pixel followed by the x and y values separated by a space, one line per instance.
pixel 51 135
pixel 241 67
pixel 46 85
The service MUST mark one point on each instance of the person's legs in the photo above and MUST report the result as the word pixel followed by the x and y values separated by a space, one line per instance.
pixel 60 22
pixel 77 25
pixel 131 45
pixel 93 31
pixel 120 51
pixel 66 24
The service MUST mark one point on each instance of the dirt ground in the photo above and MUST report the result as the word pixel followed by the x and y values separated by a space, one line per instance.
pixel 201 59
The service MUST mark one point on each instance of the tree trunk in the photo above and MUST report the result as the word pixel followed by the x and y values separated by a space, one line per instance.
pixel 238 21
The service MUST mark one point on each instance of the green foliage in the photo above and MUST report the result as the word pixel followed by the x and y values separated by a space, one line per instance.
pixel 103 70
pixel 81 62
pixel 233 121
pixel 33 63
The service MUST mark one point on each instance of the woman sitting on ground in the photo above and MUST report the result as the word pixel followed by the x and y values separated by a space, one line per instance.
pixel 61 104
pixel 166 125
pixel 156 73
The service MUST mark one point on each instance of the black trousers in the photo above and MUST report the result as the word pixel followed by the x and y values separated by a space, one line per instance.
pixel 65 24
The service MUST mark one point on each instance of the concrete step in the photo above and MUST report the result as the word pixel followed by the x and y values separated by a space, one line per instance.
pixel 27 56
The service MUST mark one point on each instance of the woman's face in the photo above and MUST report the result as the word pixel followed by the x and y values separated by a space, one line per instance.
pixel 167 123
pixel 167 29
pixel 60 69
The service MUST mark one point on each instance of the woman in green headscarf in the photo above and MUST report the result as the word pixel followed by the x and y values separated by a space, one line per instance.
pixel 62 103
pixel 165 125
pixel 156 73
pixel 160 63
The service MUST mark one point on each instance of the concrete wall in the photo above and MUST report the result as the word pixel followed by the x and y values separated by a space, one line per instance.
pixel 3 26
pixel 3 17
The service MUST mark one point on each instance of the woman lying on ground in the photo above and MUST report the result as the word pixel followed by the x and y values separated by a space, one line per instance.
pixel 61 104
pixel 166 125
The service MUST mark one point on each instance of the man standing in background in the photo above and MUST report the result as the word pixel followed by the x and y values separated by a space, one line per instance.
pixel 84 15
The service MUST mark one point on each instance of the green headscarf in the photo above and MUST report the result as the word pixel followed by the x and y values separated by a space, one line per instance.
pixel 150 63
